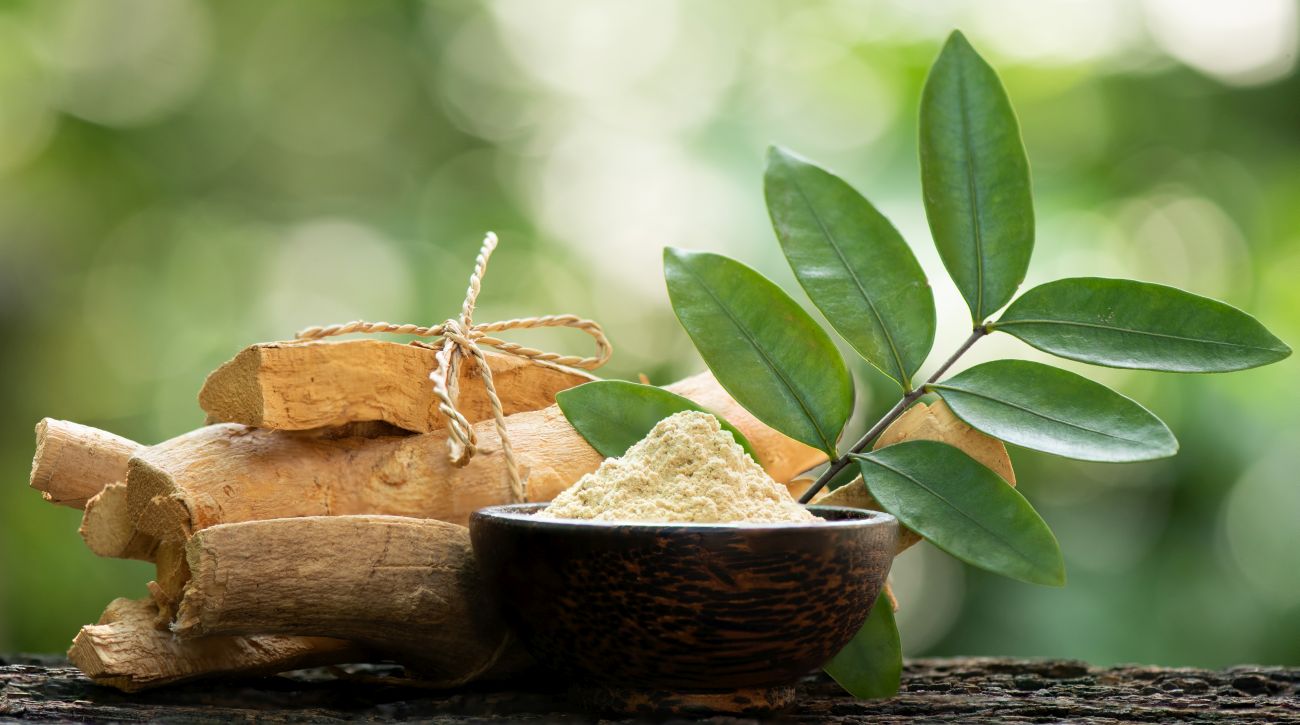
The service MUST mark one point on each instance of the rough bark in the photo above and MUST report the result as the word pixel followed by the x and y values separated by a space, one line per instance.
pixel 172 573
pixel 126 651
pixel 408 588
pixel 73 462
pixel 230 473
pixel 109 531
pixel 944 690
pixel 934 422
pixel 297 386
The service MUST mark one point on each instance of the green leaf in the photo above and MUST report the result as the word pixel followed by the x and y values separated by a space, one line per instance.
pixel 1048 409
pixel 963 508
pixel 975 179
pixel 871 665
pixel 614 414
pixel 1126 324
pixel 761 346
pixel 853 264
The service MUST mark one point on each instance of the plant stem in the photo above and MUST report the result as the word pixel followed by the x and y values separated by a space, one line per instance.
pixel 902 405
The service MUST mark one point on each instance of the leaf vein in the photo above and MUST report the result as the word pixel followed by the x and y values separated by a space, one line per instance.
pixel 973 190
pixel 992 534
pixel 839 253
pixel 1167 336
pixel 1036 413
pixel 749 337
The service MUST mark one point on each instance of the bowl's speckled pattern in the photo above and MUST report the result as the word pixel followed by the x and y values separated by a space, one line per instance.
pixel 684 607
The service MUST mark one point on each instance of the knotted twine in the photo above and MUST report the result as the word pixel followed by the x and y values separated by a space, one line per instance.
pixel 462 338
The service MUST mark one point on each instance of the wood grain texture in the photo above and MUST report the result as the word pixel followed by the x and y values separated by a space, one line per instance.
pixel 648 609
pixel 108 529
pixel 298 386
pixel 127 651
pixel 408 588
pixel 933 691
pixel 230 473
pixel 73 462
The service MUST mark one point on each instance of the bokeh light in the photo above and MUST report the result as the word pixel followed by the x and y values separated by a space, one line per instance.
pixel 181 178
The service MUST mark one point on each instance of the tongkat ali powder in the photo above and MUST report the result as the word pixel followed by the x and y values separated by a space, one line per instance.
pixel 687 469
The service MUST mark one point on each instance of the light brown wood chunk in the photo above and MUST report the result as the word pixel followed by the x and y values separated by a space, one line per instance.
pixel 73 462
pixel 125 650
pixel 172 573
pixel 297 386
pixel 407 587
pixel 231 473
pixel 108 529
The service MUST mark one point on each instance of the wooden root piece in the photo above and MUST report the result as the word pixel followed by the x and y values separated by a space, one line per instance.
pixel 172 573
pixel 926 423
pixel 408 588
pixel 73 462
pixel 230 473
pixel 297 386
pixel 109 531
pixel 125 650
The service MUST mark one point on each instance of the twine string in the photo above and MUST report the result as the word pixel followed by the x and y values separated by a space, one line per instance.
pixel 462 340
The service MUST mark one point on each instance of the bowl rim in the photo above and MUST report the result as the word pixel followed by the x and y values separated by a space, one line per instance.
pixel 521 514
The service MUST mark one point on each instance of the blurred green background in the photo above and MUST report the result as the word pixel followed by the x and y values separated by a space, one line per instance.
pixel 179 179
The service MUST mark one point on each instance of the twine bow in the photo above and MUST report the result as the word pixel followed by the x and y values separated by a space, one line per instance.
pixel 462 338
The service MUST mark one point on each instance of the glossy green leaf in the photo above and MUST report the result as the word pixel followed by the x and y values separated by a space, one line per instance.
pixel 1126 324
pixel 762 346
pixel 853 264
pixel 1048 409
pixel 975 178
pixel 963 508
pixel 870 666
pixel 614 414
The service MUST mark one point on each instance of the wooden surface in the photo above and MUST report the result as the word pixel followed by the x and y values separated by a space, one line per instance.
pixel 957 690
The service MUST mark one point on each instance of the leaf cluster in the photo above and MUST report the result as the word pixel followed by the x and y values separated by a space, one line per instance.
pixel 856 268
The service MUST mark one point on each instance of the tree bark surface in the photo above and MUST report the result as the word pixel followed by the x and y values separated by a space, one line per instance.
pixel 934 690
pixel 298 386
pixel 73 462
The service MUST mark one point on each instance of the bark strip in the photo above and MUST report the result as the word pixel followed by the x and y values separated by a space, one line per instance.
pixel 317 384
pixel 125 650
pixel 108 529
pixel 409 588
pixel 73 462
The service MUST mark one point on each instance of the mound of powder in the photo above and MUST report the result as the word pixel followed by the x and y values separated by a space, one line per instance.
pixel 688 469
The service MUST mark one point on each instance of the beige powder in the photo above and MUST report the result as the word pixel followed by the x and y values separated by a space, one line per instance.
pixel 688 469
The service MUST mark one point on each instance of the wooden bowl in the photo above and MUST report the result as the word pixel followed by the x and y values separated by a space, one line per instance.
pixel 684 617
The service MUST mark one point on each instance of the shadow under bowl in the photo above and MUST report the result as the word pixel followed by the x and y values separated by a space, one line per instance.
pixel 644 612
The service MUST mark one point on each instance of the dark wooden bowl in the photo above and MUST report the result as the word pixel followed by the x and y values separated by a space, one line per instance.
pixel 648 612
